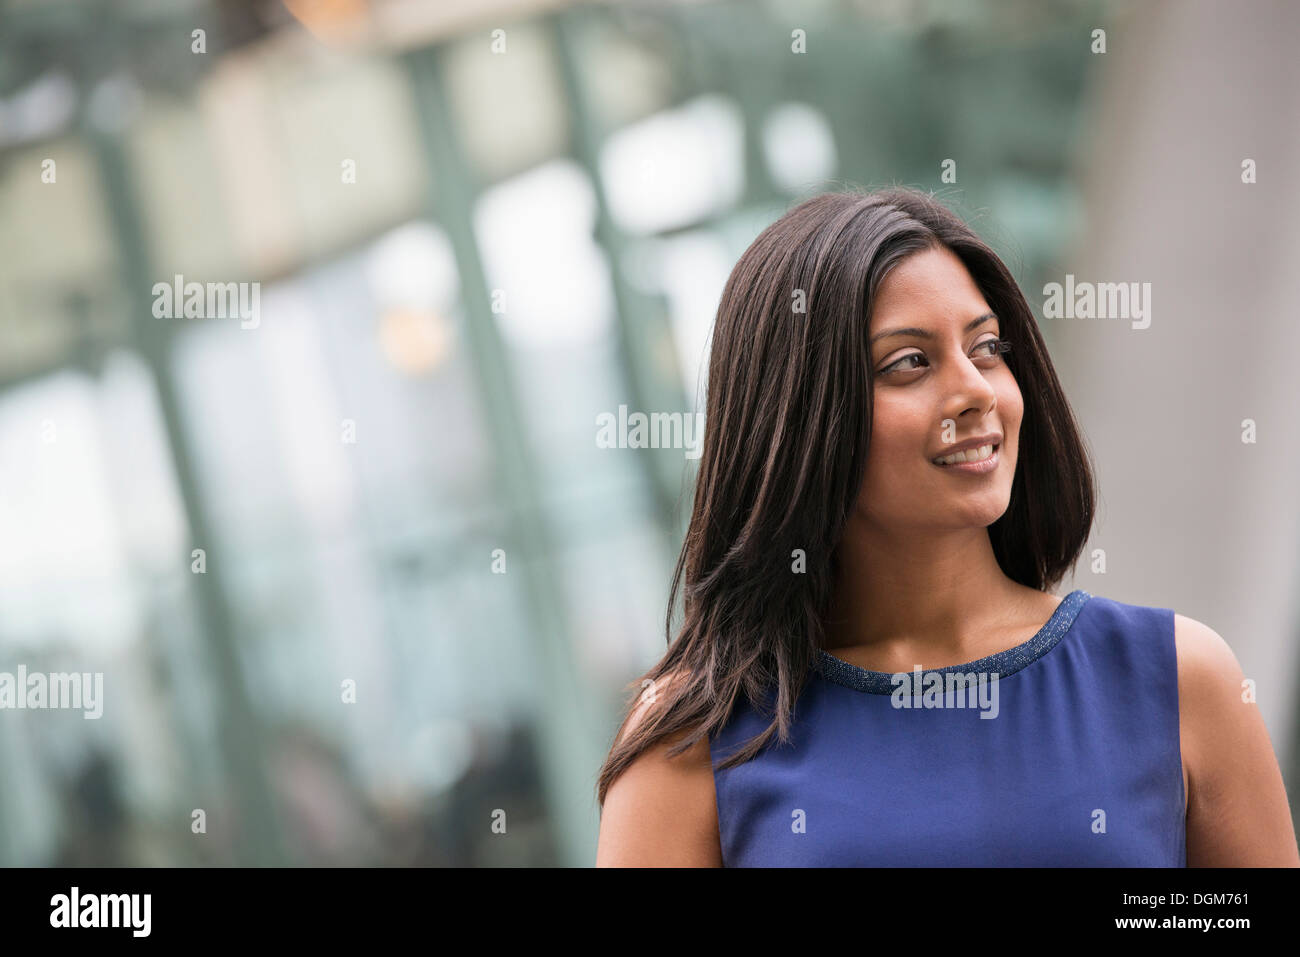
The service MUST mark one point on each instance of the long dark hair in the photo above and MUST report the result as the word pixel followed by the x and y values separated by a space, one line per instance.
pixel 788 428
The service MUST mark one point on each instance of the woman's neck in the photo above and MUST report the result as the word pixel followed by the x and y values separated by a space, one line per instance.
pixel 924 593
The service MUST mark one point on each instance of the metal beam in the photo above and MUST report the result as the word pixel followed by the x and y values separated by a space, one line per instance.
pixel 572 745
pixel 240 733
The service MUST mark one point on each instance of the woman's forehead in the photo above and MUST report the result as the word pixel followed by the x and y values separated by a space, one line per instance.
pixel 933 286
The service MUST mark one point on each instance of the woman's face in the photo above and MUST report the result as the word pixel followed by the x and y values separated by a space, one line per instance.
pixel 934 392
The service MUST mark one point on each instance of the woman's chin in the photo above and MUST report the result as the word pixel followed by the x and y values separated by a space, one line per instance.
pixel 982 514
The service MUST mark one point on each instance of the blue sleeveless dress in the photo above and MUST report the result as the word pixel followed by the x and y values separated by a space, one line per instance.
pixel 1069 757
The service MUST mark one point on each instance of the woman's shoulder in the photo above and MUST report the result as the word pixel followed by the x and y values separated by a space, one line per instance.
pixel 1202 651
pixel 1211 683
pixel 1237 810
pixel 661 811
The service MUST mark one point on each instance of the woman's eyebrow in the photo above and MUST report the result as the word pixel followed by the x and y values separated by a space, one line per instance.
pixel 925 333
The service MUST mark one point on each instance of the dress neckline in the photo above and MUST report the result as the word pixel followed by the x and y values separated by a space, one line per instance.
pixel 1002 663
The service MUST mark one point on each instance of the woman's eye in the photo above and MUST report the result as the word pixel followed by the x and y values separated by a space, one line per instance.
pixel 993 348
pixel 897 365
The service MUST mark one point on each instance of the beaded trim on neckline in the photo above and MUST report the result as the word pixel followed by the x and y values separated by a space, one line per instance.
pixel 1003 663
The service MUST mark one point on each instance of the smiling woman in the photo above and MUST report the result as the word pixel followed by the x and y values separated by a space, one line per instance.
pixel 904 499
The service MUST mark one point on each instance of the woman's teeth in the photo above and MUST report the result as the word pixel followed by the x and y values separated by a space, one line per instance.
pixel 970 455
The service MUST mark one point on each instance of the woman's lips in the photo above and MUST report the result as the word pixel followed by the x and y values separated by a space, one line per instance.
pixel 974 468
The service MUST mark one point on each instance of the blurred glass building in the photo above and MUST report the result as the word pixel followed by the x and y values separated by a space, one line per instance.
pixel 361 584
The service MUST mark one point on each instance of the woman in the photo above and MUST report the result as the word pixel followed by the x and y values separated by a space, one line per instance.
pixel 872 670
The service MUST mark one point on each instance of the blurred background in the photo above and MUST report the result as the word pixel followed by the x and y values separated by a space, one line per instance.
pixel 476 226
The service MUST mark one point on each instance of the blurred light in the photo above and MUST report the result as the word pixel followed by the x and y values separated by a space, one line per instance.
pixel 62 533
pixel 412 277
pixel 413 266
pixel 548 279
pixel 675 168
pixel 330 20
pixel 799 145
pixel 38 111
pixel 416 341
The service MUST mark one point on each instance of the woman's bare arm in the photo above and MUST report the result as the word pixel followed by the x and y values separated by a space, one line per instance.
pixel 1237 811
pixel 661 811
